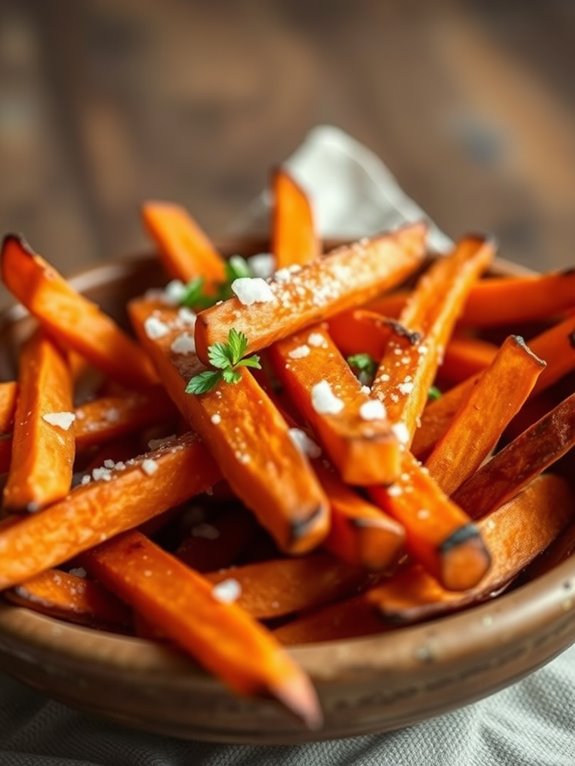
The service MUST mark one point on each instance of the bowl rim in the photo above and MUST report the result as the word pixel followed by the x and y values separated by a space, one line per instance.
pixel 535 607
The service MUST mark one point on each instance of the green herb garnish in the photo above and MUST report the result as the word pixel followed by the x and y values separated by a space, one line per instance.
pixel 434 393
pixel 227 359
pixel 196 296
pixel 364 366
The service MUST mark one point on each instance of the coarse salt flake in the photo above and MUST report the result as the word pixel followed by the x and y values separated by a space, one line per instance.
pixel 61 420
pixel 303 443
pixel 317 340
pixel 262 265
pixel 405 388
pixel 324 401
pixel 372 410
pixel 184 344
pixel 284 275
pixel 365 390
pixel 216 418
pixel 149 466
pixel 227 591
pixel 251 290
pixel 174 292
pixel 401 432
pixel 187 317
pixel 155 328
pixel 299 353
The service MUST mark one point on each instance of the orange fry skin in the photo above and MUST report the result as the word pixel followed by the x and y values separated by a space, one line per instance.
pixel 465 357
pixel 71 319
pixel 294 237
pixel 102 509
pixel 350 618
pixel 68 597
pixel 363 331
pixel 360 533
pixel 503 301
pixel 438 533
pixel 8 394
pixel 42 456
pixel 221 636
pixel 364 450
pixel 516 533
pixel 184 249
pixel 541 445
pixel 280 587
pixel 476 428
pixel 248 438
pixel 112 417
pixel 346 277
pixel 405 374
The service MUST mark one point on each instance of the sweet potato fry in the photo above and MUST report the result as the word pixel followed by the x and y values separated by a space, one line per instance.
pixel 362 331
pixel 43 443
pixel 112 417
pixel 561 549
pixel 248 437
pixel 362 446
pixel 8 392
pixel 557 347
pixel 184 249
pixel 217 543
pixel 345 278
pixel 520 461
pixel 437 416
pixel 69 597
pixel 70 318
pixel 438 533
pixel 483 416
pixel 221 636
pixel 280 587
pixel 405 374
pixel 360 533
pixel 349 618
pixel 294 237
pixel 514 300
pixel 503 301
pixel 516 533
pixel 101 509
pixel 464 357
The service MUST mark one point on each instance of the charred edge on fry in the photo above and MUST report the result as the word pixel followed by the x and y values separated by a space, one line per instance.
pixel 300 527
pixel 462 535
pixel 412 337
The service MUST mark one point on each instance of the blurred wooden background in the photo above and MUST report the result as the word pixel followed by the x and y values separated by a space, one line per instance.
pixel 470 103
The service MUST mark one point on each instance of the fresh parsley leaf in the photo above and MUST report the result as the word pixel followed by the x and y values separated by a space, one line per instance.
pixel 434 393
pixel 250 361
pixel 220 355
pixel 232 376
pixel 237 267
pixel 238 344
pixel 203 382
pixel 194 293
pixel 365 367
pixel 226 357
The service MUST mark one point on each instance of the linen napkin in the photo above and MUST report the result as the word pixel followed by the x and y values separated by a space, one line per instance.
pixel 528 724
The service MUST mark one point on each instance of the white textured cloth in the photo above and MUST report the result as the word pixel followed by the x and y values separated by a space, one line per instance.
pixel 528 724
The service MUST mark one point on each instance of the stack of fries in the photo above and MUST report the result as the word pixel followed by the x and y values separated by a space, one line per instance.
pixel 271 461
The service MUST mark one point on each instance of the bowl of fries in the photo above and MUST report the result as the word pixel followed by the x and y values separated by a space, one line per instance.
pixel 274 491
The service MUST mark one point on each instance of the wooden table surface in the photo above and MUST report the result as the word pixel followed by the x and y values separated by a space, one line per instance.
pixel 102 104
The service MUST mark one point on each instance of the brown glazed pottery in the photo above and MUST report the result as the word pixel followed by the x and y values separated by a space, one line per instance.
pixel 366 685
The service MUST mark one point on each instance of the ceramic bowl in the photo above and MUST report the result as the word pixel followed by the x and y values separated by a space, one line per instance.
pixel 367 685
